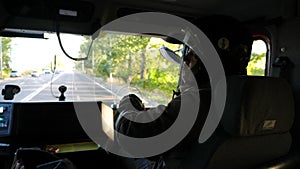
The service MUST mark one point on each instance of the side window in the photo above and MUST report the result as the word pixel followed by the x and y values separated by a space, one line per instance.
pixel 258 60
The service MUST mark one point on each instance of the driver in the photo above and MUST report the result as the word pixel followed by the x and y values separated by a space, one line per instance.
pixel 233 44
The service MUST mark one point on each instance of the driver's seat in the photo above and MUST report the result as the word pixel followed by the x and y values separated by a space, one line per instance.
pixel 254 129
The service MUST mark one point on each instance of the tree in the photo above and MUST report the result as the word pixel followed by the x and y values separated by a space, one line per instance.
pixel 130 50
pixel 6 47
pixel 135 60
pixel 257 64
pixel 116 54
pixel 84 49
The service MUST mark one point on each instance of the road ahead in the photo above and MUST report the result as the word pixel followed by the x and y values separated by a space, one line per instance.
pixel 79 87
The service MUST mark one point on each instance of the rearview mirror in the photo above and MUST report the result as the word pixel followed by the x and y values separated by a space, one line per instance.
pixel 170 55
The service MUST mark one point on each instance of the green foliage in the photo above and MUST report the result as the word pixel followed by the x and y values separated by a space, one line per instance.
pixel 6 47
pixel 257 64
pixel 116 54
pixel 103 68
pixel 157 80
pixel 135 60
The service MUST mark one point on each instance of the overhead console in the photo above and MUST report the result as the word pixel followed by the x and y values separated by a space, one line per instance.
pixel 65 16
pixel 40 123
pixel 67 10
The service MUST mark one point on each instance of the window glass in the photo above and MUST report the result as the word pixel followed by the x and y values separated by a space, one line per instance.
pixel 38 65
pixel 122 64
pixel 116 66
pixel 257 64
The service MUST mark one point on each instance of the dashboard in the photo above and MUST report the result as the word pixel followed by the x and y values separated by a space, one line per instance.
pixel 39 124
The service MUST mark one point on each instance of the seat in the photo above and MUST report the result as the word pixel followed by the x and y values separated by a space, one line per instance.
pixel 254 128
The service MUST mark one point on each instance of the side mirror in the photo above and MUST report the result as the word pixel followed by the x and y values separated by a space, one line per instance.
pixel 170 55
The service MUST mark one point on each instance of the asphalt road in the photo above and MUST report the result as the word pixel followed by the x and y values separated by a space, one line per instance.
pixel 79 87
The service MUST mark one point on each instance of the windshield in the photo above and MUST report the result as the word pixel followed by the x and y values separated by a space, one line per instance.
pixel 117 65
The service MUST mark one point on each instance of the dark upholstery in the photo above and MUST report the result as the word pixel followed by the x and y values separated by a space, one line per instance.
pixel 249 152
pixel 254 129
pixel 257 106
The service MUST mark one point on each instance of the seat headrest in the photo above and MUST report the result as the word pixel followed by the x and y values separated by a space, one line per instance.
pixel 257 106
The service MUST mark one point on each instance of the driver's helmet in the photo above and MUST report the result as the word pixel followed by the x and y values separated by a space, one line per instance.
pixel 231 39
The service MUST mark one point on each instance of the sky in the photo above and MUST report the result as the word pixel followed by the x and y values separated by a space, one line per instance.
pixel 259 47
pixel 36 54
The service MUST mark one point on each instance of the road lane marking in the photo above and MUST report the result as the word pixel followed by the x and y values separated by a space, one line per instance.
pixel 115 95
pixel 108 90
pixel 36 92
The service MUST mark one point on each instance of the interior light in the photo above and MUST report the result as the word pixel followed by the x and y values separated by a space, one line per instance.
pixel 67 12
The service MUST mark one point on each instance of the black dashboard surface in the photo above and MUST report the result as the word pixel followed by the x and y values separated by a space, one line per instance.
pixel 40 123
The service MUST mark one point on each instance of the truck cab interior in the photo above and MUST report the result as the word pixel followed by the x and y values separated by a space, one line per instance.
pixel 43 118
